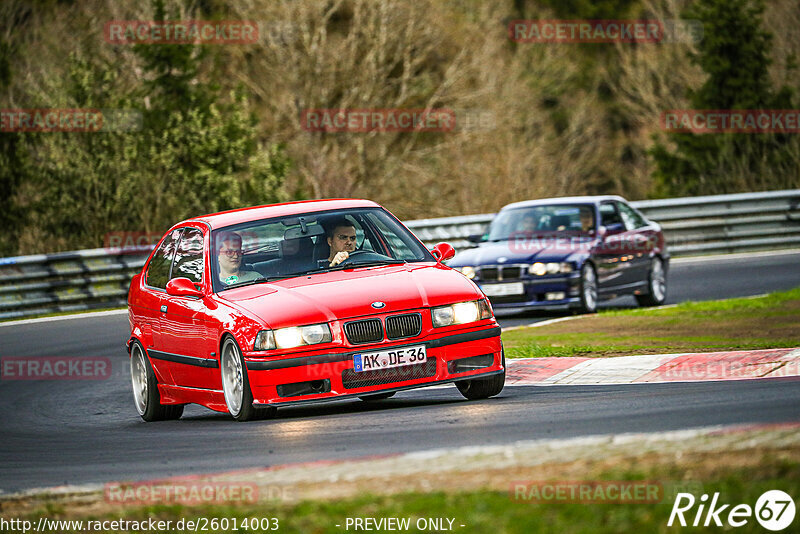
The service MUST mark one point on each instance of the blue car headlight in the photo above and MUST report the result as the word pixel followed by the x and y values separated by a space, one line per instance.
pixel 468 271
pixel 540 268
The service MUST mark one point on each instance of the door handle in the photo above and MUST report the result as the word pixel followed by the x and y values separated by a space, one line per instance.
pixel 163 308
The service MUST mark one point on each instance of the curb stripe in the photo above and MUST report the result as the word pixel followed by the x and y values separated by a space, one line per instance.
pixel 655 368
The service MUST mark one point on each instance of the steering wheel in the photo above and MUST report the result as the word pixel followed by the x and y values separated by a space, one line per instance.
pixel 355 253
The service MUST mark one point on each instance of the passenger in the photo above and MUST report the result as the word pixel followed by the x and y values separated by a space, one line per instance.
pixel 229 245
pixel 341 240
pixel 587 219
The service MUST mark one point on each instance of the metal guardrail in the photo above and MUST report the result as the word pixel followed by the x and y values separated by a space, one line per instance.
pixel 99 278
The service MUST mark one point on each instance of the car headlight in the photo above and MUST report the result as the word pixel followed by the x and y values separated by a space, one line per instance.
pixel 460 313
pixel 540 269
pixel 293 336
pixel 468 271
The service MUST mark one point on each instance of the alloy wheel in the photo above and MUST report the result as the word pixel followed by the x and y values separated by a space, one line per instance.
pixel 232 381
pixel 589 288
pixel 658 280
pixel 139 379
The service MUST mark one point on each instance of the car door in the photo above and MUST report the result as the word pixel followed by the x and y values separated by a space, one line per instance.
pixel 185 337
pixel 610 253
pixel 153 299
pixel 641 238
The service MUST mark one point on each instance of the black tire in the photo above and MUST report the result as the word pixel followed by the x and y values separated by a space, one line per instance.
pixel 377 396
pixel 236 385
pixel 145 389
pixel 482 388
pixel 588 289
pixel 656 285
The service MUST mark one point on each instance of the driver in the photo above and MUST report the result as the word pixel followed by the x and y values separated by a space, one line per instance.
pixel 341 240
pixel 527 224
pixel 229 256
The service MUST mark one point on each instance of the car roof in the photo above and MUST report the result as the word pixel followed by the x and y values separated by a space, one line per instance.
pixel 596 199
pixel 286 209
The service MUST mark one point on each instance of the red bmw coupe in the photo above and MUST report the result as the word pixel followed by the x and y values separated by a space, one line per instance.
pixel 247 310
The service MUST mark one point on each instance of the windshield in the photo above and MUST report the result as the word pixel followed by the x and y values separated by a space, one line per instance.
pixel 273 249
pixel 553 218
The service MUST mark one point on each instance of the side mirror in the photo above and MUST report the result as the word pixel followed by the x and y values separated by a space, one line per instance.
pixel 182 287
pixel 475 238
pixel 610 229
pixel 443 252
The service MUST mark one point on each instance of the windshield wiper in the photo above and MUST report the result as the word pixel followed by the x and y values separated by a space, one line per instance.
pixel 372 263
pixel 264 279
pixel 247 283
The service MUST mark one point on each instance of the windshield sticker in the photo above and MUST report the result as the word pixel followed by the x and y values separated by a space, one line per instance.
pixel 232 279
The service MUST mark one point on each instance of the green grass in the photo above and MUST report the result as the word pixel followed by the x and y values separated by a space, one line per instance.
pixel 735 306
pixel 483 511
pixel 771 321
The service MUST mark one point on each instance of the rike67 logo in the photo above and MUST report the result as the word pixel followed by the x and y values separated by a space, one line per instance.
pixel 774 511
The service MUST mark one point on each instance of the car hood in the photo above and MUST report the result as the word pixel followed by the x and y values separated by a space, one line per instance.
pixel 325 297
pixel 544 248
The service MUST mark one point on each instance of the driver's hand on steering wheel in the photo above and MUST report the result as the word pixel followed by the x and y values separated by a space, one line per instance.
pixel 339 258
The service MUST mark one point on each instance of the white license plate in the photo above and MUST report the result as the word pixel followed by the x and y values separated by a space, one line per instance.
pixel 386 359
pixel 501 290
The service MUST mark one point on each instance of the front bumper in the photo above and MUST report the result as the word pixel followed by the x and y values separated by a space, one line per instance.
pixel 535 292
pixel 313 377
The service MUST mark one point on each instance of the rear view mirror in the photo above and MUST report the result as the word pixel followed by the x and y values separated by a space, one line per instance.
pixel 297 232
pixel 475 238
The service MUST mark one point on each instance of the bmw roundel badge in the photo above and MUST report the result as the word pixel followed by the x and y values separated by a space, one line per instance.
pixel 378 304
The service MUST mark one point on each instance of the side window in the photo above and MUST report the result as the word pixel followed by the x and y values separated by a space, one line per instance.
pixel 632 219
pixel 189 257
pixel 362 242
pixel 158 269
pixel 609 214
pixel 398 248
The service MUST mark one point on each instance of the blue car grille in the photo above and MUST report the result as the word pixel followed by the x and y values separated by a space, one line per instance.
pixel 501 272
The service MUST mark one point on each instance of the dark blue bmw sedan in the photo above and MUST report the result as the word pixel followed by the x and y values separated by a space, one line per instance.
pixel 568 253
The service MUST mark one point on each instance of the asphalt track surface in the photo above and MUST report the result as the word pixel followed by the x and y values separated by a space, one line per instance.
pixel 78 432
